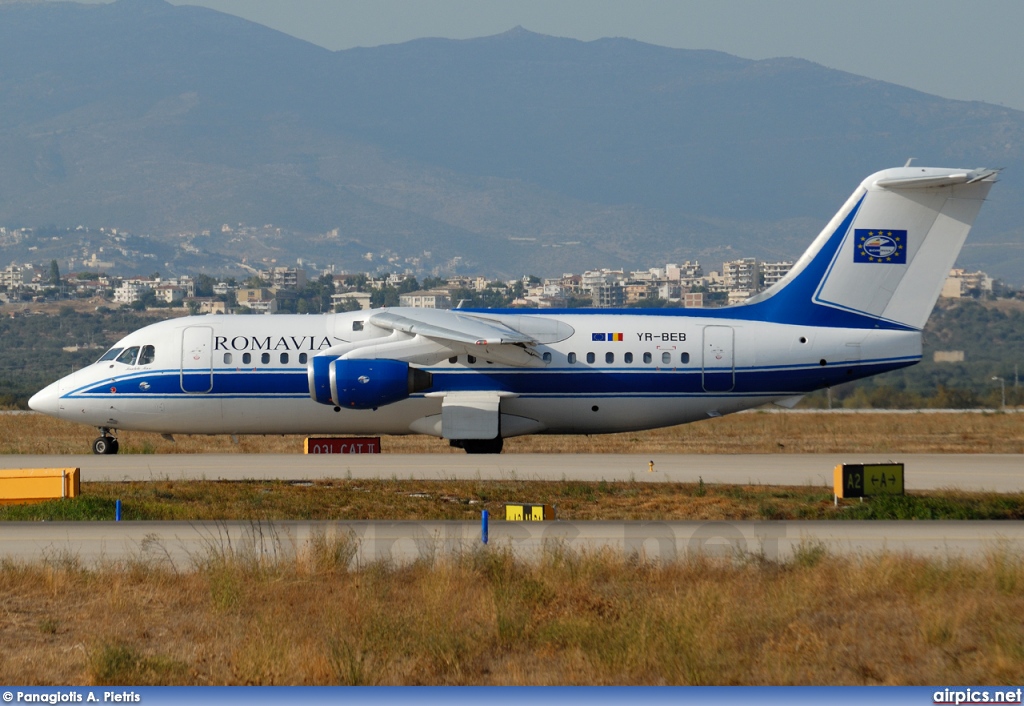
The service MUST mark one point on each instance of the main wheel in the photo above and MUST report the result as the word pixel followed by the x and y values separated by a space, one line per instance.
pixel 104 446
pixel 483 446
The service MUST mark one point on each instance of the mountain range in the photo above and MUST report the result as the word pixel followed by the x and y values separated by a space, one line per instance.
pixel 517 153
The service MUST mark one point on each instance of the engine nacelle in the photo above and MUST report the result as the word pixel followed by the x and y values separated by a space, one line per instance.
pixel 363 384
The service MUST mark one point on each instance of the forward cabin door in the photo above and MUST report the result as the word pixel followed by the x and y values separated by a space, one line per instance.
pixel 718 362
pixel 197 359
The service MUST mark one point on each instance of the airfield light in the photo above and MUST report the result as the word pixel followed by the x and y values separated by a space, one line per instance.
pixel 1002 387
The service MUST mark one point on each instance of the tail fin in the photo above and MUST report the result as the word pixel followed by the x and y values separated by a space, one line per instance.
pixel 883 258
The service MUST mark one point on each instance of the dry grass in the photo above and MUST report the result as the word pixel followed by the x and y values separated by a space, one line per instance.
pixel 485 618
pixel 463 500
pixel 755 432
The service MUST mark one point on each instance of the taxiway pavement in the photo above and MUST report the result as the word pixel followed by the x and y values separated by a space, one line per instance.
pixel 975 472
pixel 187 544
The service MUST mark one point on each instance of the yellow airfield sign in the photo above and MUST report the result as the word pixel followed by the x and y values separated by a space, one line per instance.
pixel 862 480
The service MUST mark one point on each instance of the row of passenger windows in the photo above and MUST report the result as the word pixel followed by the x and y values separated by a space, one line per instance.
pixel 135 355
pixel 283 358
pixel 609 358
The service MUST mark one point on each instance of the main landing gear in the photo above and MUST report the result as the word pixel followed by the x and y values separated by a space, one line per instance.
pixel 479 446
pixel 106 444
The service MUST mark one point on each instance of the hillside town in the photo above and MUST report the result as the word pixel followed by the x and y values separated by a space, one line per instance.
pixel 293 289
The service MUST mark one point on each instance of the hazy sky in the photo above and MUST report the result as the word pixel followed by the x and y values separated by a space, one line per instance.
pixel 969 50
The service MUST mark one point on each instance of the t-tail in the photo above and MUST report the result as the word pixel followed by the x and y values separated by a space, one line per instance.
pixel 883 258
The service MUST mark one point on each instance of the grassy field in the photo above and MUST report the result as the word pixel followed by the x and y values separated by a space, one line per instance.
pixel 464 500
pixel 486 618
pixel 752 432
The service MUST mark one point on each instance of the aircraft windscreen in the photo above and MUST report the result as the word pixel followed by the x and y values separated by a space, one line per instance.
pixel 128 357
pixel 110 355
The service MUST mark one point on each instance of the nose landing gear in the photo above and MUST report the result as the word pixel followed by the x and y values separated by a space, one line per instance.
pixel 106 444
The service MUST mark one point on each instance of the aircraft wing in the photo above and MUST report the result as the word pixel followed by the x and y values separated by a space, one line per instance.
pixel 449 326
pixel 447 333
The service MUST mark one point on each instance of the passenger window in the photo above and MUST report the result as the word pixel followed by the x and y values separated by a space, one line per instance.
pixel 591 357
pixel 265 358
pixel 110 355
pixel 666 357
pixel 684 358
pixel 303 358
pixel 284 359
pixel 454 359
pixel 547 357
pixel 471 359
pixel 128 356
pixel 147 356
pixel 357 325
pixel 609 357
pixel 227 359
pixel 628 357
pixel 571 358
pixel 647 357
pixel 246 358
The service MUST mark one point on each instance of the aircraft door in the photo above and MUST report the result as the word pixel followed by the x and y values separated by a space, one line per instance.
pixel 197 359
pixel 718 361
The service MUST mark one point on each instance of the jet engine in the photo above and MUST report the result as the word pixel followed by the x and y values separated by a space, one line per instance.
pixel 363 384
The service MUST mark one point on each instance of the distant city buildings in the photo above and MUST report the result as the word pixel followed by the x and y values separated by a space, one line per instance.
pixel 274 288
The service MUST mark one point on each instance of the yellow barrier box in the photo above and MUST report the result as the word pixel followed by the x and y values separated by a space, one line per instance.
pixel 519 512
pixel 860 480
pixel 33 485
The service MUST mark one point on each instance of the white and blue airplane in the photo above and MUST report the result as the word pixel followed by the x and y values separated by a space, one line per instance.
pixel 852 306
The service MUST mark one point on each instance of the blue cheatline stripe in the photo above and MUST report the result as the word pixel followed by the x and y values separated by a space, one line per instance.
pixel 767 380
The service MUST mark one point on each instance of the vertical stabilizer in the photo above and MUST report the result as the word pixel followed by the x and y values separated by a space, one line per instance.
pixel 885 256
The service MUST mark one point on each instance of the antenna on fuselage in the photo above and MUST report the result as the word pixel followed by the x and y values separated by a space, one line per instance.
pixel 908 162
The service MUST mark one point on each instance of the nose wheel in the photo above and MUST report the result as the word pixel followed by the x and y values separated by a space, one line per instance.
pixel 105 445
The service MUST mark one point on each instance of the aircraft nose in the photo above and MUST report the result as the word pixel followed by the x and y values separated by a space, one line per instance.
pixel 46 401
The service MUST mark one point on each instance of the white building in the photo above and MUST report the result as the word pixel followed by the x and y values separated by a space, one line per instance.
pixel 960 283
pixel 132 290
pixel 772 272
pixel 361 298
pixel 742 275
pixel 426 300
pixel 284 278
pixel 14 277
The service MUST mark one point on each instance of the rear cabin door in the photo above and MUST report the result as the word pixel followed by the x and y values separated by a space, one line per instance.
pixel 719 369
pixel 197 359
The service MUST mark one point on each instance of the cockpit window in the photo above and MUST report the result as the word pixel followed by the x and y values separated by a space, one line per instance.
pixel 128 356
pixel 147 356
pixel 110 355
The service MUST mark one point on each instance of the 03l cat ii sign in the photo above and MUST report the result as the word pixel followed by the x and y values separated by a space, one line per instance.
pixel 338 445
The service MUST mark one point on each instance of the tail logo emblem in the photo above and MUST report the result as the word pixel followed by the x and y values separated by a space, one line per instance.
pixel 881 246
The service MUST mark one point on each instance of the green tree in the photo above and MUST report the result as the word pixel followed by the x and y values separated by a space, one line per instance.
pixel 204 285
pixel 346 304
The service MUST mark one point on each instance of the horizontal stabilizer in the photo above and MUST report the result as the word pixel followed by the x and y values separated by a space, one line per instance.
pixel 927 181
